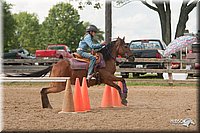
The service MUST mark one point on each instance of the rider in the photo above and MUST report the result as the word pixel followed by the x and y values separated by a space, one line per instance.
pixel 88 42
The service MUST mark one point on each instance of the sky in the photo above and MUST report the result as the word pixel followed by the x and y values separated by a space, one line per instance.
pixel 134 20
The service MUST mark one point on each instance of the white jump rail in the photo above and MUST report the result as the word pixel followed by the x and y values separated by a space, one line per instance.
pixel 34 79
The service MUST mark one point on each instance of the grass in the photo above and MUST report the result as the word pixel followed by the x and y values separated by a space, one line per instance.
pixel 159 84
pixel 155 82
pixel 129 83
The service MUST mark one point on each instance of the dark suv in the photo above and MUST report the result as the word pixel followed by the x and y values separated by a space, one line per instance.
pixel 20 53
pixel 147 48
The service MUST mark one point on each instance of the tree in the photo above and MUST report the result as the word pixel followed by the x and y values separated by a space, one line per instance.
pixel 186 8
pixel 164 11
pixel 99 36
pixel 8 26
pixel 27 29
pixel 62 26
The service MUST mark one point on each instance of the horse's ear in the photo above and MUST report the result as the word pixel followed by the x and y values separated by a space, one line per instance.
pixel 123 38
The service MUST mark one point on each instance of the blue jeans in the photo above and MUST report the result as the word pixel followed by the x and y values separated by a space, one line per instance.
pixel 92 60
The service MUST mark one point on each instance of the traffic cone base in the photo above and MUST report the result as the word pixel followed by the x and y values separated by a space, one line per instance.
pixel 63 112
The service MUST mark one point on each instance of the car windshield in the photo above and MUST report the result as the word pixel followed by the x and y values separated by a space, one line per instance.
pixel 22 51
pixel 147 44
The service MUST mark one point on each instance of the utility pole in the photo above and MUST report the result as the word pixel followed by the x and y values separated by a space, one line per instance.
pixel 198 21
pixel 108 21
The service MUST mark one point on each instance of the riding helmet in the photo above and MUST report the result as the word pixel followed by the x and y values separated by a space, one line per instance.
pixel 91 28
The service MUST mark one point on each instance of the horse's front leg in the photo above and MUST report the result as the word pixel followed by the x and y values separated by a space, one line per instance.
pixel 123 92
pixel 45 99
pixel 45 91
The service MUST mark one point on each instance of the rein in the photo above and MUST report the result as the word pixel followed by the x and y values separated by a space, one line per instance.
pixel 110 54
pixel 114 58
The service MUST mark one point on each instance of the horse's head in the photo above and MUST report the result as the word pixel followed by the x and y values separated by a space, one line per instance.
pixel 123 49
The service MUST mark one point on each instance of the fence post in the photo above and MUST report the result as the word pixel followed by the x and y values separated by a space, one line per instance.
pixel 169 73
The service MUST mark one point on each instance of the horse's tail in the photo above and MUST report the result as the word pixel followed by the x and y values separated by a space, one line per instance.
pixel 40 73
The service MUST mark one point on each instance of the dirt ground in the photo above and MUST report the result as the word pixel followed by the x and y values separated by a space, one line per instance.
pixel 150 108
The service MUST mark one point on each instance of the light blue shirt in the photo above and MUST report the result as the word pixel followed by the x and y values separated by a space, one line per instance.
pixel 87 43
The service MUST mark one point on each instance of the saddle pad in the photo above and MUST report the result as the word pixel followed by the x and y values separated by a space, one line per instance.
pixel 75 64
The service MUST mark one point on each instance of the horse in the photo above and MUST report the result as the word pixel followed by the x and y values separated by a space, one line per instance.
pixel 103 75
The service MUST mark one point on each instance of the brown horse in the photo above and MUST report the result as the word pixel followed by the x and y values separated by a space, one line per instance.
pixel 103 75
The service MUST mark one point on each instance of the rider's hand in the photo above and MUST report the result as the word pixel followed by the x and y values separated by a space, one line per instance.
pixel 103 43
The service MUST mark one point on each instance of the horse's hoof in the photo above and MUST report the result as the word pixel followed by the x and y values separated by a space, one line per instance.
pixel 124 102
pixel 124 95
pixel 47 107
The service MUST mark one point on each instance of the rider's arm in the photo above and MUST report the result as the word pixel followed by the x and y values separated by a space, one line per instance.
pixel 88 40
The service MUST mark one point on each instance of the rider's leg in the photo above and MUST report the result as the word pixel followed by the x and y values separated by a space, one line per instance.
pixel 92 62
pixel 91 65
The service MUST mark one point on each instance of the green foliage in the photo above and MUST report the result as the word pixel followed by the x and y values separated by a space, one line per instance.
pixel 62 26
pixel 26 32
pixel 8 26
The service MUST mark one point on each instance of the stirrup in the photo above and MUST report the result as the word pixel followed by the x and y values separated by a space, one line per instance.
pixel 91 76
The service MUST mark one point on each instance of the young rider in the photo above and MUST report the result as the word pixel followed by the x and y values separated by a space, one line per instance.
pixel 86 43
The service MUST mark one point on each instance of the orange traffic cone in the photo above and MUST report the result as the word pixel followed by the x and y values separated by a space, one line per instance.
pixel 116 98
pixel 68 103
pixel 84 90
pixel 78 100
pixel 107 97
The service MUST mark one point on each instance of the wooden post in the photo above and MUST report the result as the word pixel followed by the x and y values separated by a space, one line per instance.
pixel 181 57
pixel 198 22
pixel 108 21
pixel 169 73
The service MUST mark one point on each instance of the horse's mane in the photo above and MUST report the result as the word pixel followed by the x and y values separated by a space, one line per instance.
pixel 107 51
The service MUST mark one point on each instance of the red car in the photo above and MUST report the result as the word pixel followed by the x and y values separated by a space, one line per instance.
pixel 54 51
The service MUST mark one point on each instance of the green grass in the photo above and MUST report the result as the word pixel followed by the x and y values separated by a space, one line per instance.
pixel 129 83
pixel 159 82
pixel 25 84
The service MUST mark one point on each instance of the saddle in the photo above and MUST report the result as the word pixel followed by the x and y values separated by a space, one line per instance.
pixel 78 62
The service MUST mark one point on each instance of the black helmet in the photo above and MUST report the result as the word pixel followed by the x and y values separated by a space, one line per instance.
pixel 91 28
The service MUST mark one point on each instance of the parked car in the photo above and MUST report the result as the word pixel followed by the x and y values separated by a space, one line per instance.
pixel 54 51
pixel 146 48
pixel 18 54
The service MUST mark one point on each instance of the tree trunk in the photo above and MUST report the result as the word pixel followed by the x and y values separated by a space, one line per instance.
pixel 198 22
pixel 184 16
pixel 164 11
pixel 162 17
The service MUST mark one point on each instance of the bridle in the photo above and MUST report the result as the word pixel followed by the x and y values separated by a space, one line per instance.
pixel 117 49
